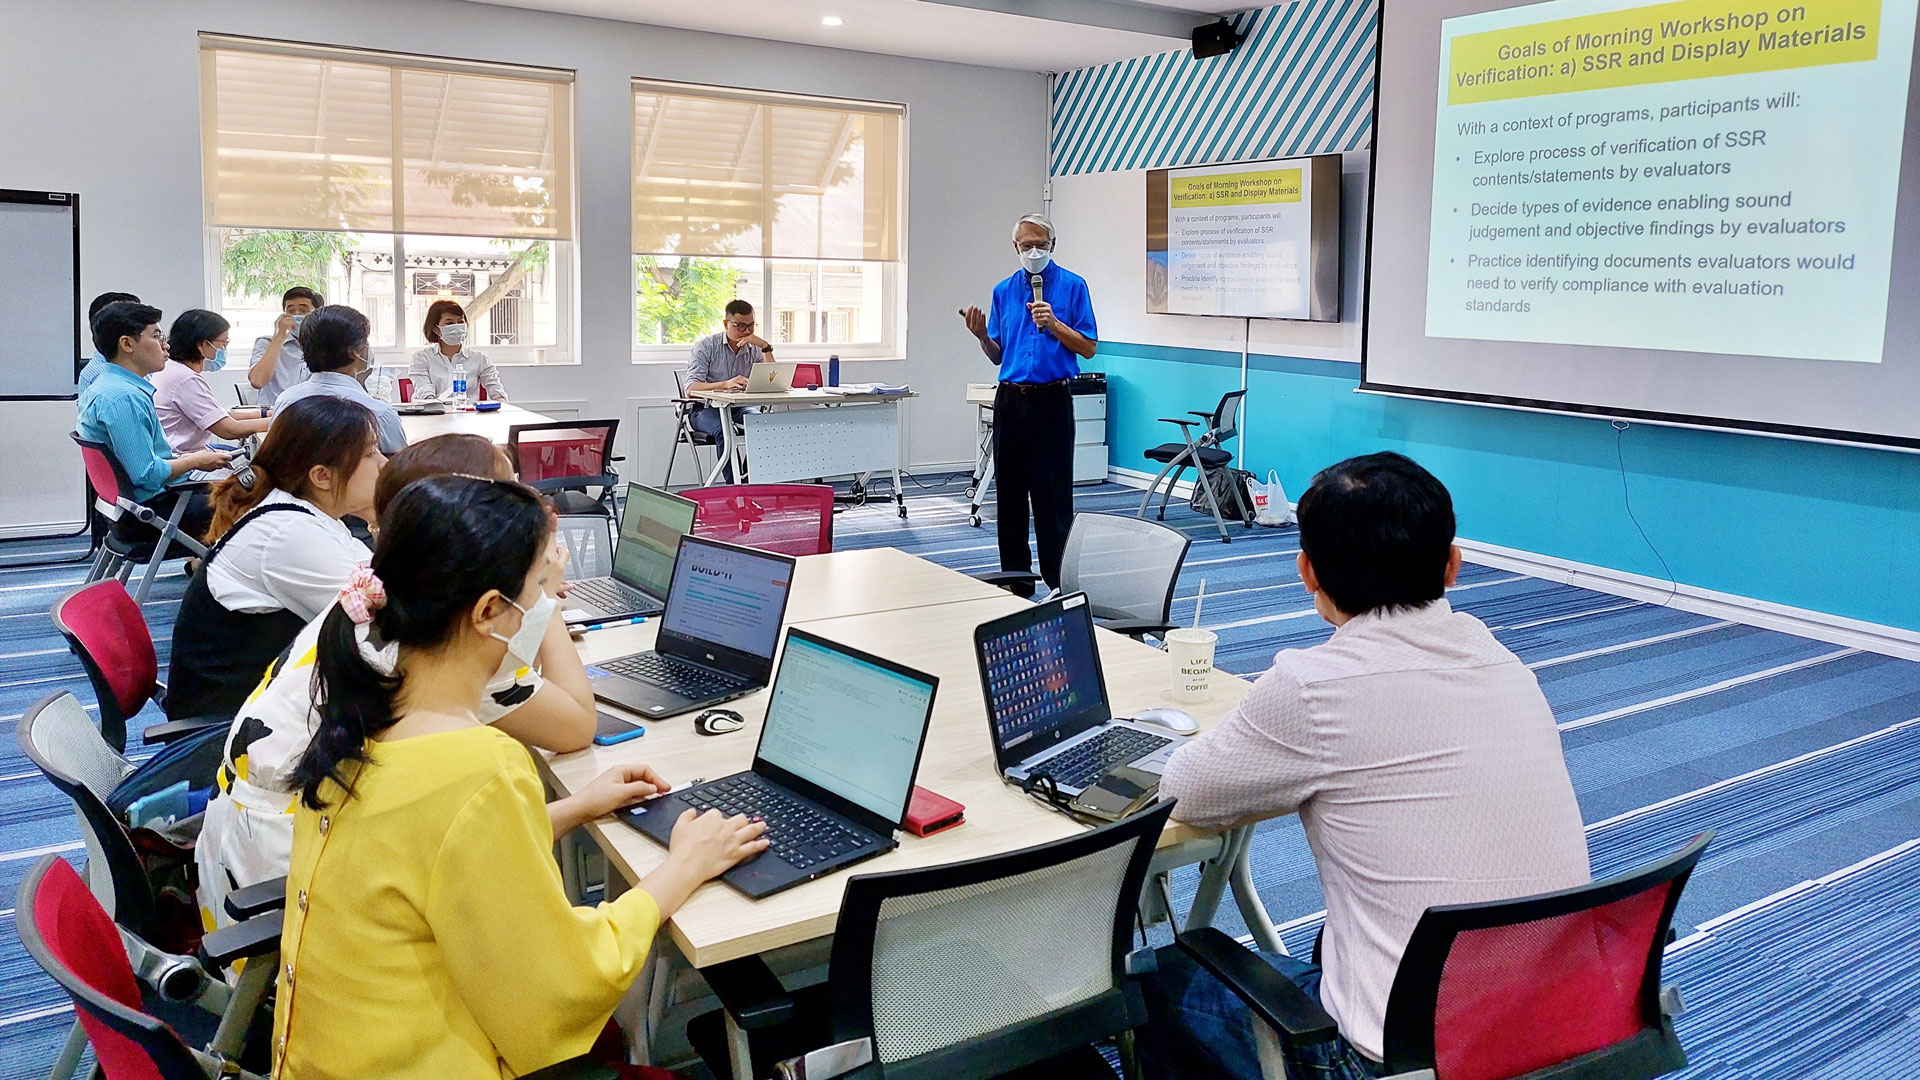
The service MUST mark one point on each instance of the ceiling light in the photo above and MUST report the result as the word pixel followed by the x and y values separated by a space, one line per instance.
pixel 831 20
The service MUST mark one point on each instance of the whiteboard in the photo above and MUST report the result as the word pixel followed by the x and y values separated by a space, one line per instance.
pixel 39 294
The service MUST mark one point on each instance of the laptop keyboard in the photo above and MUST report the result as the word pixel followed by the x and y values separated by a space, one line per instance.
pixel 687 680
pixel 610 596
pixel 797 833
pixel 1083 765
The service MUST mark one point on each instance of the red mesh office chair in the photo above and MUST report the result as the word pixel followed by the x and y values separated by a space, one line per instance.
pixel 805 375
pixel 1563 985
pixel 406 389
pixel 793 519
pixel 137 536
pixel 565 467
pixel 104 628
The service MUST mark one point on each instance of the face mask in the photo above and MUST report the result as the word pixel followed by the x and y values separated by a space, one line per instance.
pixel 524 645
pixel 1036 259
pixel 218 360
pixel 297 320
pixel 453 334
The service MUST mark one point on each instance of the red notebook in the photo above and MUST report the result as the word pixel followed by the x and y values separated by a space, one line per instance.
pixel 929 813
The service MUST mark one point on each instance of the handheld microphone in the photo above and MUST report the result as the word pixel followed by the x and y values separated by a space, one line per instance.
pixel 1036 280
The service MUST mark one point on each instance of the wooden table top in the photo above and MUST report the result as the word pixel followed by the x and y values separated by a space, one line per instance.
pixel 719 924
pixel 493 424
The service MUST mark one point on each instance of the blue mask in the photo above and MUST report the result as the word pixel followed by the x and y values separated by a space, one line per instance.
pixel 219 359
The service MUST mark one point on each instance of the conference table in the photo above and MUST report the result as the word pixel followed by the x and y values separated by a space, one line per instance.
pixel 914 612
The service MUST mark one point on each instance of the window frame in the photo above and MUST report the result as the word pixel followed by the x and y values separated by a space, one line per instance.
pixel 893 283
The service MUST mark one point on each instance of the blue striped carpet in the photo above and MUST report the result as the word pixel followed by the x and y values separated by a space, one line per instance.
pixel 1799 929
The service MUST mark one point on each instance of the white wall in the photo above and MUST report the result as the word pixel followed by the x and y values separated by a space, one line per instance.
pixel 102 97
pixel 1102 221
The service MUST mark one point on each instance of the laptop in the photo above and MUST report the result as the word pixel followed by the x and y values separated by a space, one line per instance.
pixel 651 525
pixel 771 377
pixel 1047 702
pixel 833 772
pixel 717 635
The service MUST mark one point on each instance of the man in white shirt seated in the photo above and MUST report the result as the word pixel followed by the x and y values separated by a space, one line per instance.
pixel 1418 751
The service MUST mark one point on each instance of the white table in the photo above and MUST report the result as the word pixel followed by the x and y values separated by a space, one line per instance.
pixel 810 433
pixel 492 425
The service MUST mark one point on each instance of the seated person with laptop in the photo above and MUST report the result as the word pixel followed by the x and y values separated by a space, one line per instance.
pixel 651 525
pixel 723 361
pixel 833 772
pixel 428 932
pixel 1418 751
pixel 717 636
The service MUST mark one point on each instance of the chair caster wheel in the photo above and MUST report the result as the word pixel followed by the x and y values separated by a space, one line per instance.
pixel 974 521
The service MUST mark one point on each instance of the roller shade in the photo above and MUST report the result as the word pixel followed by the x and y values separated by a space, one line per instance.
pixel 720 172
pixel 326 139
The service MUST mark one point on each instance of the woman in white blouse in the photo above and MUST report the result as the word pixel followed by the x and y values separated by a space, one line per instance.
pixel 281 553
pixel 432 367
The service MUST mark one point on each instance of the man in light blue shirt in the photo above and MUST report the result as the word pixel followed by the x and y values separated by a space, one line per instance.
pixel 333 340
pixel 723 361
pixel 98 363
pixel 277 360
pixel 1041 326
pixel 117 409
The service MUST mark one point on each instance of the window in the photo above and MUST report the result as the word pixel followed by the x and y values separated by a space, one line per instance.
pixel 388 182
pixel 793 204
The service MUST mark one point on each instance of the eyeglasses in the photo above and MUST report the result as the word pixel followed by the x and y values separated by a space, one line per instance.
pixel 1036 245
pixel 743 327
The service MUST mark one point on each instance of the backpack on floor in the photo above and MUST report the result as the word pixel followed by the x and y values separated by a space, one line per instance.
pixel 1219 488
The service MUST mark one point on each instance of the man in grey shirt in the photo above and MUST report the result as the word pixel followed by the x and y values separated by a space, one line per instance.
pixel 277 360
pixel 721 362
pixel 334 343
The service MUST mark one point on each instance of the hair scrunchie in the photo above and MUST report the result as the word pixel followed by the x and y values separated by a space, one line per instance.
pixel 363 595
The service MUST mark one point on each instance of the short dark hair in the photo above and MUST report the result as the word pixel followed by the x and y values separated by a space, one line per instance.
pixel 457 454
pixel 1379 532
pixel 437 309
pixel 122 318
pixel 329 336
pixel 190 328
pixel 106 298
pixel 301 292
pixel 739 307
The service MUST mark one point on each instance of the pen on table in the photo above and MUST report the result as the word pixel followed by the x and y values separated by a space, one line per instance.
pixel 635 621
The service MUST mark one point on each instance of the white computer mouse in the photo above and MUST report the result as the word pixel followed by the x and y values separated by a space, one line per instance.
pixel 1174 720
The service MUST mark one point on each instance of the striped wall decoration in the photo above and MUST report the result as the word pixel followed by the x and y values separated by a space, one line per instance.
pixel 1301 83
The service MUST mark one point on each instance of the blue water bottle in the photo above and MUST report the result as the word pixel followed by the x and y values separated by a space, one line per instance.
pixel 833 370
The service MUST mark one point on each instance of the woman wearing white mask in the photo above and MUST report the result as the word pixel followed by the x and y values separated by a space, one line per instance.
pixel 189 415
pixel 432 369
pixel 540 695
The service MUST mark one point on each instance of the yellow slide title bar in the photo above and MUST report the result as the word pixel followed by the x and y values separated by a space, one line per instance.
pixel 1235 189
pixel 1691 39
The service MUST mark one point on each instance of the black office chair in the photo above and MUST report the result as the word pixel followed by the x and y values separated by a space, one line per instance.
pixel 565 470
pixel 1127 566
pixel 958 972
pixel 1202 452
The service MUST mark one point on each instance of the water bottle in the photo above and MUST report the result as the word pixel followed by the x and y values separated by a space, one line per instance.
pixel 833 370
pixel 459 394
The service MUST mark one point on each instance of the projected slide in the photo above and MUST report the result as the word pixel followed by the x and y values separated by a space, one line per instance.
pixel 1239 240
pixel 1707 176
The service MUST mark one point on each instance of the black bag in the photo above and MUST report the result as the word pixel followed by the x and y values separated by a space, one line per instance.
pixel 1220 488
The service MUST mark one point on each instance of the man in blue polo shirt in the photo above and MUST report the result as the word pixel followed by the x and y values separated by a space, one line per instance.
pixel 1039 328
pixel 117 409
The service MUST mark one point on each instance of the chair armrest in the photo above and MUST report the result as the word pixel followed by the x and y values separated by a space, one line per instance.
pixel 242 940
pixel 580 1068
pixel 750 992
pixel 1003 578
pixel 1183 423
pixel 180 729
pixel 258 899
pixel 1135 627
pixel 1272 996
pixel 827 1062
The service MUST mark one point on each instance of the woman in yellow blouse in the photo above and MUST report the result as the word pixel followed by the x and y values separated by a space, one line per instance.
pixel 427 933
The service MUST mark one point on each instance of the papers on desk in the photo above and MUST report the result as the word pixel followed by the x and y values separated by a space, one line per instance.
pixel 869 388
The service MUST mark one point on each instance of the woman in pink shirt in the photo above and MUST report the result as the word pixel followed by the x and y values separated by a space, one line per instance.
pixel 188 413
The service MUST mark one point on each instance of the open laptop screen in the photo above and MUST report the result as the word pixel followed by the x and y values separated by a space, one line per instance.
pixel 651 525
pixel 847 724
pixel 1041 673
pixel 727 595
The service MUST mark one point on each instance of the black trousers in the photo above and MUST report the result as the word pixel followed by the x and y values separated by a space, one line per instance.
pixel 1033 460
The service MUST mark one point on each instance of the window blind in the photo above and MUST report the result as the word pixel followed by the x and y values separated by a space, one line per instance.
pixel 314 138
pixel 720 172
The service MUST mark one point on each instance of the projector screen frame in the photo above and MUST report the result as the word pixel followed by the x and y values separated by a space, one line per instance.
pixel 1730 425
pixel 1325 173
